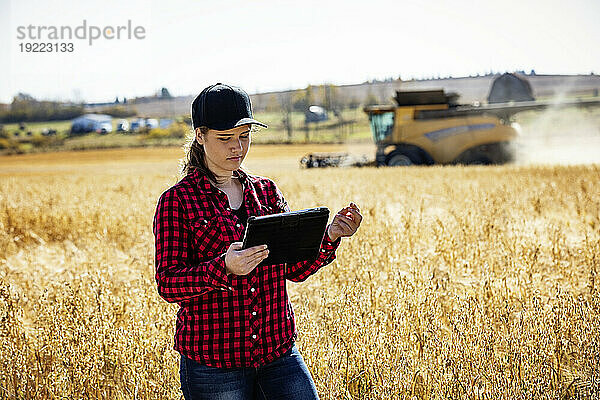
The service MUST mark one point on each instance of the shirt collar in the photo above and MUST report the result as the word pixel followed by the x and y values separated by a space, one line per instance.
pixel 202 182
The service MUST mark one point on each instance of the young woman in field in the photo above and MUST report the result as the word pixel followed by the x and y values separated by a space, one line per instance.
pixel 235 327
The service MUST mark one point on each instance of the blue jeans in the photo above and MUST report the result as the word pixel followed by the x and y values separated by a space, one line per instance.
pixel 285 378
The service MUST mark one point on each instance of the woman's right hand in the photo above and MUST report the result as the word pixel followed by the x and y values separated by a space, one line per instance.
pixel 242 262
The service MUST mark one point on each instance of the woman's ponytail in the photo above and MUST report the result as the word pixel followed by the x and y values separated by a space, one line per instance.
pixel 195 158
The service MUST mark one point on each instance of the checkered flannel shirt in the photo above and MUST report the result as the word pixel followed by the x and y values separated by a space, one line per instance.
pixel 225 320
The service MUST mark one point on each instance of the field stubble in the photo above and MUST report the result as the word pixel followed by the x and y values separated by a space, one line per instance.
pixel 476 282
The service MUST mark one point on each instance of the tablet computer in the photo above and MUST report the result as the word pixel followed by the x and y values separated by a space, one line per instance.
pixel 290 237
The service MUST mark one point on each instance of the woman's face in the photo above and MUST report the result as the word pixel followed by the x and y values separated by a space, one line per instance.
pixel 225 150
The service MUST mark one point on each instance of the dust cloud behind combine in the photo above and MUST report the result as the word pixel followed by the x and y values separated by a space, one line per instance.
pixel 564 136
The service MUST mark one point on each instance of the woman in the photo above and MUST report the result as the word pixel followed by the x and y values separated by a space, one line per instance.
pixel 235 327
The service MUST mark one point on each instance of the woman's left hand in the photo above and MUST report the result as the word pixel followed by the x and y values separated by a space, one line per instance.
pixel 345 222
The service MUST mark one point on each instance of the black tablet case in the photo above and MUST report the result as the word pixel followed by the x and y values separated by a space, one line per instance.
pixel 290 237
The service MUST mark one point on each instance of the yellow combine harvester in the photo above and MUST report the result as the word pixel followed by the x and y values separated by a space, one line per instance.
pixel 428 127
pixel 428 134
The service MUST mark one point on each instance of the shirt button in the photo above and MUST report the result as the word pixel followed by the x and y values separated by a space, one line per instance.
pixel 252 290
pixel 204 221
pixel 253 336
pixel 238 225
pixel 253 312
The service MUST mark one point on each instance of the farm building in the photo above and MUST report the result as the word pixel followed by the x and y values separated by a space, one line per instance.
pixel 99 123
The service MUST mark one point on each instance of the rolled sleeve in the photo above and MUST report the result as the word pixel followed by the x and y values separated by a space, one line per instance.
pixel 328 246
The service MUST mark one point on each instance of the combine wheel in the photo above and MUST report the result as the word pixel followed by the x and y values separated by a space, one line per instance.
pixel 399 159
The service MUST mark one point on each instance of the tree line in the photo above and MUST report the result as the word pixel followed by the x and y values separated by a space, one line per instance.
pixel 25 108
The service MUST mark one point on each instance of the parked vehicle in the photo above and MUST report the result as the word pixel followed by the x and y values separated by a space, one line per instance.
pixel 151 123
pixel 87 123
pixel 137 124
pixel 315 114
pixel 123 126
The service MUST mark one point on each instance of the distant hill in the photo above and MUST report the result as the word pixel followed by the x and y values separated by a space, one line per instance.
pixel 470 89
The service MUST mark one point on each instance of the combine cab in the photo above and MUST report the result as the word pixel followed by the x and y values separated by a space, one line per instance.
pixel 429 127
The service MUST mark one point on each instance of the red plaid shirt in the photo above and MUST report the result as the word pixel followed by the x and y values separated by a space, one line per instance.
pixel 224 321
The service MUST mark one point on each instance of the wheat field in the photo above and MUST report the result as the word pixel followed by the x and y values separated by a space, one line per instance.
pixel 462 282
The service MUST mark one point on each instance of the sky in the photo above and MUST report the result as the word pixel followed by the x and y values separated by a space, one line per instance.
pixel 268 45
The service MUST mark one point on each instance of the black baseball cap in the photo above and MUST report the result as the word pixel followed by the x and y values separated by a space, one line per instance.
pixel 222 107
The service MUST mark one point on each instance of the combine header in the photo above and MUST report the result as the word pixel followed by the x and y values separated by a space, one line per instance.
pixel 323 160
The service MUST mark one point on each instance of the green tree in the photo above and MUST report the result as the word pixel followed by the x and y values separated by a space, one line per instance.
pixel 332 100
pixel 303 99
